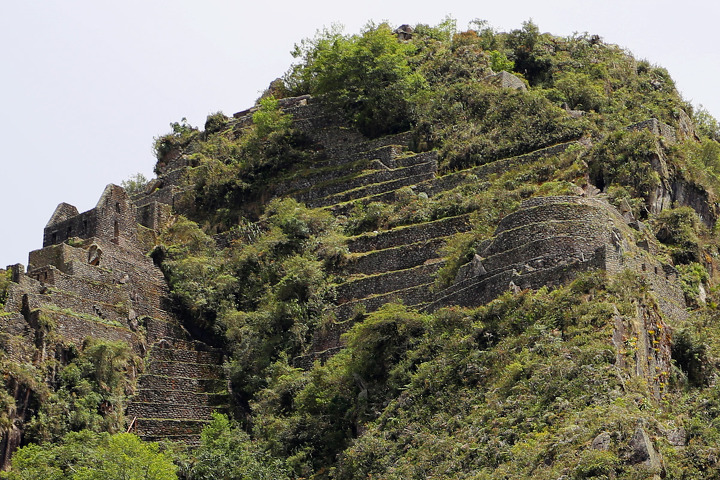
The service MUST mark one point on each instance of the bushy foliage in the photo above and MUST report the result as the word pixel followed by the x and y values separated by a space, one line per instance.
pixel 88 455
pixel 679 229
pixel 215 122
pixel 91 393
pixel 624 158
pixel 135 184
pixel 473 123
pixel 265 294
pixel 706 124
pixel 517 388
pixel 367 75
pixel 226 452
pixel 433 85
pixel 232 168
pixel 172 143
pixel 4 284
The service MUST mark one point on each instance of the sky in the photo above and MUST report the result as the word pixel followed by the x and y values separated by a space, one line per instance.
pixel 85 85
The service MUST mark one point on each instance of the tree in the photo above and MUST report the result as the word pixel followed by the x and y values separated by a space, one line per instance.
pixel 135 184
pixel 366 75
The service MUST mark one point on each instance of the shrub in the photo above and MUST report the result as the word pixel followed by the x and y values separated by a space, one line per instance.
pixel 679 229
pixel 5 276
pixel 624 158
pixel 367 76
pixel 215 122
pixel 226 452
pixel 135 184
pixel 706 124
pixel 690 354
pixel 91 394
pixel 91 456
pixel 180 137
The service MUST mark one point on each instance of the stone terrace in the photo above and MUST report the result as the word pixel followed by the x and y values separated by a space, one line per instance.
pixel 392 265
pixel 547 242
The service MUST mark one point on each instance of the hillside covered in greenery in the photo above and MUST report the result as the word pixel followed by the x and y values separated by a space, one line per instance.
pixel 594 374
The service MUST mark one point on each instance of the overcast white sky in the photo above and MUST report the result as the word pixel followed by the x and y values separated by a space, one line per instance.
pixel 85 85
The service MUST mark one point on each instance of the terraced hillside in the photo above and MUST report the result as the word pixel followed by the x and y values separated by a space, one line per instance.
pixel 423 254
pixel 351 173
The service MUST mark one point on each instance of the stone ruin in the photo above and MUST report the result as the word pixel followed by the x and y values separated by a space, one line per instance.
pixel 404 32
pixel 93 279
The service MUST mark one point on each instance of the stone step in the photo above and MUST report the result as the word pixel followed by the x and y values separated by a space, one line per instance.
pixel 536 214
pixel 385 153
pixel 414 296
pixel 478 291
pixel 404 235
pixel 154 381
pixel 168 428
pixel 517 237
pixel 75 329
pixel 180 344
pixel 185 370
pixel 177 411
pixel 189 440
pixel 345 208
pixel 320 174
pixel 473 291
pixel 327 341
pixel 474 174
pixel 65 301
pixel 107 292
pixel 148 395
pixel 544 252
pixel 153 312
pixel 186 356
pixel 158 329
pixel 363 287
pixel 369 190
pixel 313 176
pixel 396 258
pixel 337 153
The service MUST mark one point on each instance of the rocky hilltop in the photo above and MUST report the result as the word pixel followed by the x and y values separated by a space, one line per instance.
pixel 336 277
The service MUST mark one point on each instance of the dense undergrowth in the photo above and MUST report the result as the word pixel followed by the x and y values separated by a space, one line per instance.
pixel 518 388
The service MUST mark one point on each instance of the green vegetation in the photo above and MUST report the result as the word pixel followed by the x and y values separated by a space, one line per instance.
pixel 518 388
pixel 227 452
pixel 679 228
pixel 231 169
pixel 90 392
pixel 373 66
pixel 87 455
pixel 266 294
pixel 135 184
pixel 5 276
pixel 433 85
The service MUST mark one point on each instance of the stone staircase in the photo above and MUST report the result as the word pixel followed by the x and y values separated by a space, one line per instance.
pixel 182 385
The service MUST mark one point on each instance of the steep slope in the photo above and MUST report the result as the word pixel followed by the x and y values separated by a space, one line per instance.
pixel 422 265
